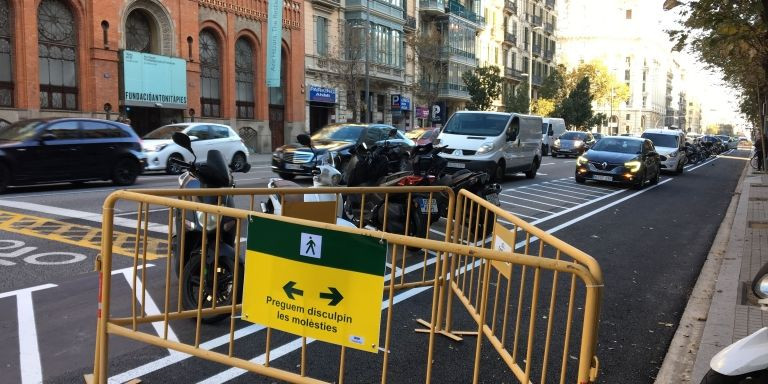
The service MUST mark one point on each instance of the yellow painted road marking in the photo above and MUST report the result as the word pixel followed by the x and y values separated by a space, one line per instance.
pixel 80 235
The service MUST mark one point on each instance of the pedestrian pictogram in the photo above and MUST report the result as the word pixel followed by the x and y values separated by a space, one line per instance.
pixel 329 288
pixel 311 245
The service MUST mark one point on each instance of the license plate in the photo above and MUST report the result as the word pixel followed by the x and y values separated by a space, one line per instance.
pixel 456 165
pixel 493 198
pixel 293 166
pixel 423 205
pixel 602 178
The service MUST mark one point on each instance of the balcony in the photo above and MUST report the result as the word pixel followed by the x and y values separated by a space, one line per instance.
pixel 453 91
pixel 550 4
pixel 536 20
pixel 432 7
pixel 459 9
pixel 510 6
pixel 549 27
pixel 410 23
pixel 549 54
pixel 537 49
pixel 458 55
pixel 513 73
pixel 537 80
pixel 510 38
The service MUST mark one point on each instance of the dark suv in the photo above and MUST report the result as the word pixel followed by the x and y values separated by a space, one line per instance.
pixel 69 149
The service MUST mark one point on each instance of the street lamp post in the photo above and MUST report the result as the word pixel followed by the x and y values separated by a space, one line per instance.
pixel 530 66
pixel 368 114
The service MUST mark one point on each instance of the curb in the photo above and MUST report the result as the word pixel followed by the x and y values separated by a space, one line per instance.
pixel 682 362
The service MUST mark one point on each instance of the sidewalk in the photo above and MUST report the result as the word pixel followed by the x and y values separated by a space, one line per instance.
pixel 722 308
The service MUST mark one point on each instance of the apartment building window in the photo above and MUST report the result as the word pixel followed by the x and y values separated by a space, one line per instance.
pixel 387 46
pixel 244 78
pixel 626 74
pixel 629 117
pixel 321 35
pixel 210 74
pixel 6 56
pixel 57 50
pixel 628 14
pixel 461 38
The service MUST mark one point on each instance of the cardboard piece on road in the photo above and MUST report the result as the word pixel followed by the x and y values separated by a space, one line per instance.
pixel 313 282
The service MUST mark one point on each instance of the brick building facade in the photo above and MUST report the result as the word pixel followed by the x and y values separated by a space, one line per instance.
pixel 67 58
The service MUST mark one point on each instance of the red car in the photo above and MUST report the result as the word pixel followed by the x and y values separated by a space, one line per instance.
pixel 423 135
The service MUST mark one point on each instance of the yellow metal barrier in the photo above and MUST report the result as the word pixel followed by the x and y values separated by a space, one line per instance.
pixel 460 264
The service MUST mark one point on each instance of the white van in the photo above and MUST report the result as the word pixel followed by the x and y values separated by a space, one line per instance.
pixel 670 144
pixel 551 129
pixel 496 142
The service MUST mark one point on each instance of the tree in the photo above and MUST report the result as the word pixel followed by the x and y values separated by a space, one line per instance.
pixel 426 52
pixel 346 63
pixel 599 120
pixel 576 109
pixel 553 86
pixel 483 85
pixel 730 36
pixel 543 107
pixel 516 99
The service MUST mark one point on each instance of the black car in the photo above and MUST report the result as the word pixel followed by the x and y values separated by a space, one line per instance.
pixel 69 149
pixel 618 159
pixel 294 160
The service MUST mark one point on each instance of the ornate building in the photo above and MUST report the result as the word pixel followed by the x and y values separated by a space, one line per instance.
pixel 153 61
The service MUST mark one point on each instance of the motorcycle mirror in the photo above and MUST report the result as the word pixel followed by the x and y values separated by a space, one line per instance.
pixel 760 283
pixel 183 141
pixel 304 140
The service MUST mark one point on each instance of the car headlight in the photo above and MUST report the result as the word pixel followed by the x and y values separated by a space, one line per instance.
pixel 557 143
pixel 633 166
pixel 210 225
pixel 277 154
pixel 577 143
pixel 485 148
pixel 761 287
pixel 581 160
pixel 156 148
pixel 673 154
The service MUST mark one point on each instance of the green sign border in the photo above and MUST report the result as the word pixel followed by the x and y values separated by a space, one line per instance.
pixel 340 250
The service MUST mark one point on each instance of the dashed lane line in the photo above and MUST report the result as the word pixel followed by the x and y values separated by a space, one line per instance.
pixel 79 235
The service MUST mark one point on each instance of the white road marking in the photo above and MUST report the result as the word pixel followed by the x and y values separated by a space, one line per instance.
pixel 29 353
pixel 553 193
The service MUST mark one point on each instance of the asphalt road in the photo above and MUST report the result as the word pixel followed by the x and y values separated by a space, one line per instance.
pixel 650 243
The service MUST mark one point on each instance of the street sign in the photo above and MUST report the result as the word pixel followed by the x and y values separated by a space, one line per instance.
pixel 313 282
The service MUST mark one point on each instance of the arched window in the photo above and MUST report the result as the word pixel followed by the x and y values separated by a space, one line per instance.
pixel 210 75
pixel 244 78
pixel 138 32
pixel 6 55
pixel 57 47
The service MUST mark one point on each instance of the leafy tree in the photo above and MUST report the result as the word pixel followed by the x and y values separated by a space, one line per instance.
pixel 543 107
pixel 426 52
pixel 483 85
pixel 599 120
pixel 576 109
pixel 553 86
pixel 730 36
pixel 516 99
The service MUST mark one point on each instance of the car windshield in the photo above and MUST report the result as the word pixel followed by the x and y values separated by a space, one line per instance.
pixel 612 144
pixel 661 140
pixel 573 136
pixel 477 124
pixel 165 132
pixel 350 133
pixel 20 131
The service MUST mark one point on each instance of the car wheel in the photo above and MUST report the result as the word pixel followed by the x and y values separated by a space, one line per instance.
pixel 534 168
pixel 171 167
pixel 125 172
pixel 238 162
pixel 5 177
pixel 501 170
pixel 286 176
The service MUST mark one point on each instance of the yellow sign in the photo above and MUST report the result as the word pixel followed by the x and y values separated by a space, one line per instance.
pixel 313 282
pixel 503 241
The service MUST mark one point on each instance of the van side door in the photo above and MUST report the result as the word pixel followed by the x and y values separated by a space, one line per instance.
pixel 513 149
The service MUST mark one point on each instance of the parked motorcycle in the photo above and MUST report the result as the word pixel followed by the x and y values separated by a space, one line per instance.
pixel 747 359
pixel 191 227
pixel 693 153
pixel 325 175
pixel 371 167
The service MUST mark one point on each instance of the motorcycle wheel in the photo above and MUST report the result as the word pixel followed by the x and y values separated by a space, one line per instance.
pixel 225 281
pixel 713 377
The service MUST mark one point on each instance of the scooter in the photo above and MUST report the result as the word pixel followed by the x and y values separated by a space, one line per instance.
pixel 324 175
pixel 191 227
pixel 746 359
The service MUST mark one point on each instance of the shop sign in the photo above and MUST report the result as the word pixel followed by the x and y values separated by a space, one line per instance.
pixel 153 80
pixel 322 94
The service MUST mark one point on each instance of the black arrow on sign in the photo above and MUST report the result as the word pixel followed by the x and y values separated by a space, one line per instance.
pixel 335 296
pixel 290 290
